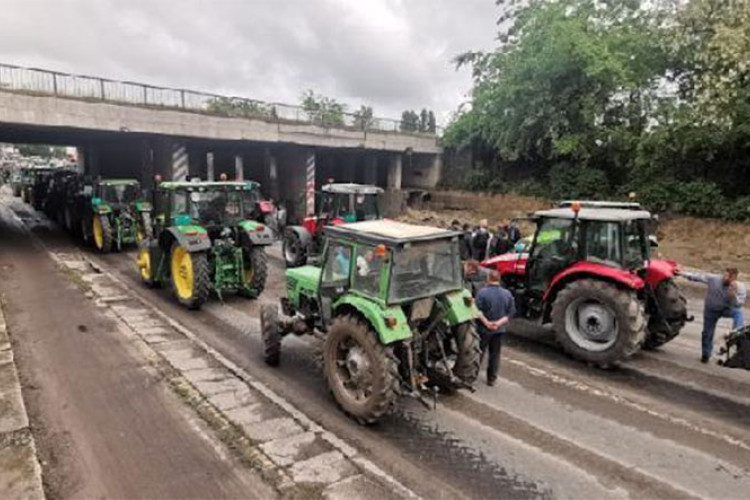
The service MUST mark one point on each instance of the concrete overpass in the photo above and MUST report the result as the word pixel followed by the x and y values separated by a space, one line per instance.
pixel 138 130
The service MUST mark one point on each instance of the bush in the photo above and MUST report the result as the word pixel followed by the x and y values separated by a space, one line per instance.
pixel 574 181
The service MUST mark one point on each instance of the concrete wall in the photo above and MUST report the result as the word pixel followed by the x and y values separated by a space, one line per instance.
pixel 421 171
pixel 26 110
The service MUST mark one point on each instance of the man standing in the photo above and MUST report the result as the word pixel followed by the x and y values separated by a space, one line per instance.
pixel 496 307
pixel 480 241
pixel 725 297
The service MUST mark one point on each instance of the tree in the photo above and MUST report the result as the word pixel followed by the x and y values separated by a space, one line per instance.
pixel 363 117
pixel 237 107
pixel 409 121
pixel 41 150
pixel 323 110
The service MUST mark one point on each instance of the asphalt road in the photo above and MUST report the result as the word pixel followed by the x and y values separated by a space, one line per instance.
pixel 661 425
pixel 104 425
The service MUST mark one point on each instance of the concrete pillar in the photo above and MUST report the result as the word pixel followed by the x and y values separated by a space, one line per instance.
pixel 395 169
pixel 271 166
pixel 310 182
pixel 371 170
pixel 239 169
pixel 80 160
pixel 179 161
pixel 210 166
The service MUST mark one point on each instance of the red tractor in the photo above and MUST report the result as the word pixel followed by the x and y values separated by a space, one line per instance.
pixel 589 272
pixel 337 204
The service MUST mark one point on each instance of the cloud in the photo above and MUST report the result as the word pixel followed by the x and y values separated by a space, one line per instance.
pixel 390 54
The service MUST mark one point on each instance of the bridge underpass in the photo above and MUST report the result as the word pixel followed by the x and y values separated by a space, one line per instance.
pixel 283 148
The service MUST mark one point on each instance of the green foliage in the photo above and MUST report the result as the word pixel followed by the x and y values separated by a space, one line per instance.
pixel 322 110
pixel 411 121
pixel 363 117
pixel 595 99
pixel 240 108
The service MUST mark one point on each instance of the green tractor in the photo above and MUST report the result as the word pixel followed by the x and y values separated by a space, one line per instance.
pixel 206 237
pixel 388 301
pixel 114 216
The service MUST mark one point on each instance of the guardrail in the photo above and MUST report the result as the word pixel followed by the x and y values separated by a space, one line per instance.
pixel 54 83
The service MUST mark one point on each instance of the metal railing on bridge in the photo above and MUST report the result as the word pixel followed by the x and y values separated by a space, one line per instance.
pixel 91 88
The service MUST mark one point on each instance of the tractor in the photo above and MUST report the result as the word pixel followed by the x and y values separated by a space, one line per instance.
pixel 35 186
pixel 389 304
pixel 338 204
pixel 56 193
pixel 113 215
pixel 590 274
pixel 17 180
pixel 206 238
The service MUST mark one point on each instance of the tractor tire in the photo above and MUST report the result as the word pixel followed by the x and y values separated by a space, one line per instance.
pixel 352 349
pixel 613 321
pixel 469 353
pixel 189 275
pixel 254 275
pixel 145 229
pixel 16 191
pixel 295 253
pixel 101 233
pixel 269 329
pixel 673 307
pixel 145 266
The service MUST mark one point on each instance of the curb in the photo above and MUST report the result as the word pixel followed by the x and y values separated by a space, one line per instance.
pixel 20 471
pixel 292 452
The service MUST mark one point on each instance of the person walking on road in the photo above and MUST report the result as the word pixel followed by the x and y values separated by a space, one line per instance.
pixel 725 297
pixel 496 306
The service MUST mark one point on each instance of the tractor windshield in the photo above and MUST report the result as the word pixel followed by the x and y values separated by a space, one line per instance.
pixel 424 270
pixel 349 207
pixel 120 194
pixel 220 206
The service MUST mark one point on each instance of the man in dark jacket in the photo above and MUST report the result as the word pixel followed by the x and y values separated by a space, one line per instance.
pixel 480 241
pixel 496 306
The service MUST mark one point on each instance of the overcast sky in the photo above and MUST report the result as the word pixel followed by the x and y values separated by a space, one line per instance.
pixel 390 54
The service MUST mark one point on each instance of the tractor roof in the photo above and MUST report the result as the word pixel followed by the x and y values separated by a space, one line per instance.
pixel 389 232
pixel 190 185
pixel 117 182
pixel 350 188
pixel 627 205
pixel 598 214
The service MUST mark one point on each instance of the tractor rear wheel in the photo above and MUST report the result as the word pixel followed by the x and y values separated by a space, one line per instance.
pixel 269 329
pixel 295 252
pixel 102 233
pixel 255 272
pixel 469 353
pixel 598 322
pixel 190 277
pixel 361 372
pixel 673 307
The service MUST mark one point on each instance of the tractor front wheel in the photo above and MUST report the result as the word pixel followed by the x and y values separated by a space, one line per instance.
pixel 295 252
pixel 145 266
pixel 598 322
pixel 190 276
pixel 269 328
pixel 361 372
pixel 254 272
pixel 145 229
pixel 673 308
pixel 102 233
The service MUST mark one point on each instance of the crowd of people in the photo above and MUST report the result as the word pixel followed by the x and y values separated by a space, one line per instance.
pixel 479 242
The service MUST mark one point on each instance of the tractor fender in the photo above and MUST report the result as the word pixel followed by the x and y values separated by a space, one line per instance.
pixel 375 315
pixel 459 307
pixel 303 234
pixel 255 233
pixel 580 270
pixel 659 270
pixel 193 238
